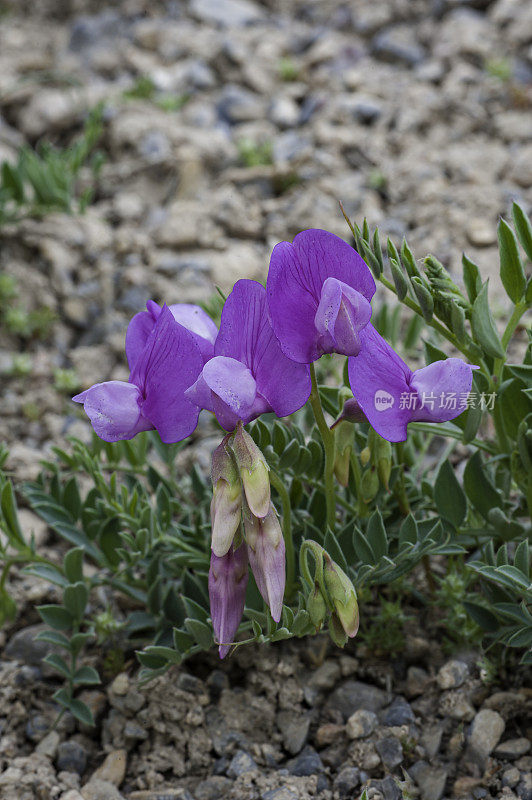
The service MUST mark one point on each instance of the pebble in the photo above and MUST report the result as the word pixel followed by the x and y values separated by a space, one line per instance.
pixel 283 793
pixel 97 789
pixel 23 646
pixel 361 724
pixel 120 685
pixel 49 744
pixel 417 680
pixel 307 762
pixel 512 748
pixel 113 768
pixel 390 751
pixel 481 233
pixel 510 777
pixel 354 695
pixel 294 729
pixel 387 789
pixel 71 757
pixel 347 781
pixel 399 45
pixel 452 675
pixel 226 13
pixel 486 731
pixel 241 763
pixel 399 713
pixel 524 787
pixel 213 788
pixel 430 780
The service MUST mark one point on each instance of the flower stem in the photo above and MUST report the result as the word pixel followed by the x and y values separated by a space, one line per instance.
pixel 327 438
pixel 282 491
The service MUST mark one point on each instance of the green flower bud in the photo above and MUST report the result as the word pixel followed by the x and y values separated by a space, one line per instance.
pixel 369 484
pixel 226 504
pixel 343 446
pixel 336 631
pixel 253 472
pixel 383 459
pixel 342 595
pixel 316 607
pixel 365 456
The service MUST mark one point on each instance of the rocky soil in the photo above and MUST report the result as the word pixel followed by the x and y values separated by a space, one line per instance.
pixel 230 125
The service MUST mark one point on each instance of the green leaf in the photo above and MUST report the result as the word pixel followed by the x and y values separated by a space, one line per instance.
pixel 168 653
pixel 424 298
pixel 290 455
pixel 183 641
pixel 54 637
pixel 511 268
pixel 72 499
pixel 56 617
pixel 47 572
pixel 514 406
pixel 86 676
pixel 376 535
pixel 200 631
pixel 522 557
pixel 73 565
pixel 478 487
pixel 523 228
pixel 10 524
pixel 408 532
pixel 75 598
pixel 81 712
pixel 362 548
pixel 484 618
pixel 449 496
pixel 330 543
pixel 483 325
pixel 58 663
pixel 472 279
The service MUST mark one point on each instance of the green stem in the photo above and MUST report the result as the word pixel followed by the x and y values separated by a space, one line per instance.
pixel 317 552
pixel 282 491
pixel 512 324
pixel 327 438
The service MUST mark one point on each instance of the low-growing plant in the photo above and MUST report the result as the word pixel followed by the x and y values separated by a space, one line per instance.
pixel 47 179
pixel 337 499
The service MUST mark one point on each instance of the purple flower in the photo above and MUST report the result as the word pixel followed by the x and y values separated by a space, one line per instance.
pixel 228 579
pixel 168 363
pixel 191 317
pixel 266 553
pixel 319 291
pixel 391 395
pixel 249 374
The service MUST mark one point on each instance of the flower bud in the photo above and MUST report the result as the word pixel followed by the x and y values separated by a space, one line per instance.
pixel 336 631
pixel 228 578
pixel 383 459
pixel 316 607
pixel 253 471
pixel 342 595
pixel 266 553
pixel 369 484
pixel 226 504
pixel 365 456
pixel 343 445
pixel 351 412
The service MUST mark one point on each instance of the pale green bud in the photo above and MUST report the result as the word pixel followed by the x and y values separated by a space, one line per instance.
pixel 383 459
pixel 342 595
pixel 365 456
pixel 343 445
pixel 369 484
pixel 226 504
pixel 253 472
pixel 316 607
pixel 336 631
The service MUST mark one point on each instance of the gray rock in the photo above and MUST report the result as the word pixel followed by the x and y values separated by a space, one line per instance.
pixel 387 788
pixel 25 648
pixel 71 757
pixel 226 13
pixel 283 793
pixel 390 751
pixel 512 748
pixel 155 147
pixel 347 781
pixel 284 112
pixel 241 763
pixel 134 732
pixel 431 780
pixel 353 695
pixel 367 111
pixel 452 675
pixel 360 724
pixel 431 739
pixel 510 777
pixel 524 787
pixel 238 105
pixel 48 745
pixel 398 45
pixel 306 763
pixel 87 31
pixel 486 730
pixel 294 729
pixel 399 713
pixel 213 788
pixel 97 789
pixel 37 727
pixel 292 146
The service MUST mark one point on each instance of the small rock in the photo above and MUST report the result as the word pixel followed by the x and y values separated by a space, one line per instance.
pixel 294 728
pixel 524 787
pixel 431 780
pixel 133 731
pixel 241 763
pixel 521 170
pixel 283 793
pixel 416 681
pixel 96 789
pixel 512 748
pixel 354 695
pixel 399 713
pixel 284 112
pixel 306 763
pixel 113 768
pixel 328 733
pixel 71 757
pixel 486 730
pixel 48 745
pixel 226 13
pixel 213 788
pixel 431 739
pixel 23 646
pixel 452 675
pixel 390 751
pixel 347 781
pixel 238 105
pixel 481 233
pixel 455 704
pixel 510 777
pixel 360 724
pixel 120 685
pixel 398 45
pixel 387 788
pixel 367 111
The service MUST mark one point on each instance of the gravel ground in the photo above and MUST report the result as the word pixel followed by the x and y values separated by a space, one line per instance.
pixel 414 113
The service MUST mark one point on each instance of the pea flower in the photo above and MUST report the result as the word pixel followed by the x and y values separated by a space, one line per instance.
pixel 266 553
pixel 249 373
pixel 391 395
pixel 228 579
pixel 191 317
pixel 166 364
pixel 319 291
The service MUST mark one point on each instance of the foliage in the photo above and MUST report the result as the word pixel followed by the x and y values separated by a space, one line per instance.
pixel 143 523
pixel 145 89
pixel 46 179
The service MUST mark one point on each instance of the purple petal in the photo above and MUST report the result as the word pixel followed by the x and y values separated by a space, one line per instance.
pixel 297 273
pixel 266 553
pixel 114 409
pixel 138 331
pixel 246 335
pixel 232 382
pixel 341 315
pixel 198 322
pixel 379 380
pixel 442 388
pixel 228 578
pixel 170 362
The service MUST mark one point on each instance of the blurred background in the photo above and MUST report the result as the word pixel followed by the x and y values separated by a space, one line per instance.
pixel 155 150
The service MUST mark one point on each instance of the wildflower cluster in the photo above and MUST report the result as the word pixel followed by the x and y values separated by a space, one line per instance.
pixel 317 301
